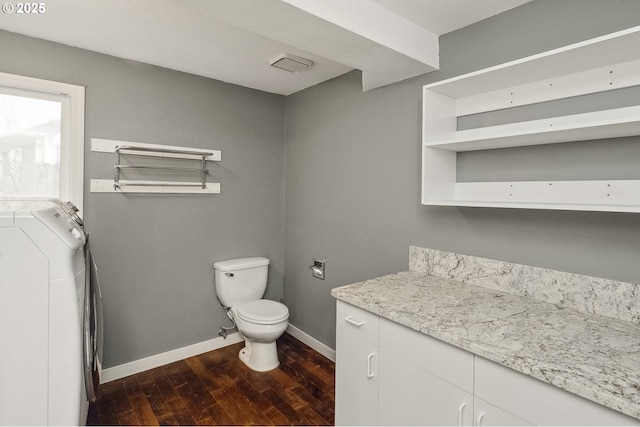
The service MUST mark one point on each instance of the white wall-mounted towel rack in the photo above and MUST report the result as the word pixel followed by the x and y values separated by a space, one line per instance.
pixel 122 149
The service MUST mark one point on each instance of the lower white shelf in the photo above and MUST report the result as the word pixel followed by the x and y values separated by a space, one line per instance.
pixel 169 187
pixel 604 196
pixel 533 205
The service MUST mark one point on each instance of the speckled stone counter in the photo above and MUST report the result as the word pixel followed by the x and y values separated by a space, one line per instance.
pixel 590 355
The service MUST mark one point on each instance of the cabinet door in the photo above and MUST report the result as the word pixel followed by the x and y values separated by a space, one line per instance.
pixel 408 395
pixel 356 380
pixel 486 414
pixel 538 402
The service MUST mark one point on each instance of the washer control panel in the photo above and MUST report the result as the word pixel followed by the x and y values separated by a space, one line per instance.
pixel 64 224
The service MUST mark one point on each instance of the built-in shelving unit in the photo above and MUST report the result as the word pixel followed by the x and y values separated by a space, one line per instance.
pixel 602 64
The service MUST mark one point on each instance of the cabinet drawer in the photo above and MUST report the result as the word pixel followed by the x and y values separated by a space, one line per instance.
pixel 359 321
pixel 430 354
pixel 538 402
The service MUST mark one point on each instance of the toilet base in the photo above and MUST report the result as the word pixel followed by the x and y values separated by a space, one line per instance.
pixel 259 356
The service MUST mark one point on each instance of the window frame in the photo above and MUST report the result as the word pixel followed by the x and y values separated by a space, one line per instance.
pixel 72 130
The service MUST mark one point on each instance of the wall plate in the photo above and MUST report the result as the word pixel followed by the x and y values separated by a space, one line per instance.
pixel 317 268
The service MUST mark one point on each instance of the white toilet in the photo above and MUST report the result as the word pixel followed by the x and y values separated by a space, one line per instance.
pixel 240 285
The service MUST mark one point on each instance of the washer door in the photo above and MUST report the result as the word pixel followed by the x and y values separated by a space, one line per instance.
pixel 92 327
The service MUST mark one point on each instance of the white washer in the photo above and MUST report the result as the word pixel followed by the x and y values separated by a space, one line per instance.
pixel 42 299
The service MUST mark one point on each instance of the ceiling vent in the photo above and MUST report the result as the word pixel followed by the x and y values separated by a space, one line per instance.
pixel 290 63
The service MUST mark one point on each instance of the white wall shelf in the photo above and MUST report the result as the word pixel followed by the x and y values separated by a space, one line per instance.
pixel 597 65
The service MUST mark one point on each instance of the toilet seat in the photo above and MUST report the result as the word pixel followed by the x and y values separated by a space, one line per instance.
pixel 263 312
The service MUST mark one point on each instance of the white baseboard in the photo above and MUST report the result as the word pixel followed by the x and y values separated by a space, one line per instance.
pixel 321 348
pixel 141 365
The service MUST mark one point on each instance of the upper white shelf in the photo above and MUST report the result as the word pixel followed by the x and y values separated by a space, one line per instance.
pixel 614 48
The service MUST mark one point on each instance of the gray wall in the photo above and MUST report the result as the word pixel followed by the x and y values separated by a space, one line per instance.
pixel 353 174
pixel 351 163
pixel 155 252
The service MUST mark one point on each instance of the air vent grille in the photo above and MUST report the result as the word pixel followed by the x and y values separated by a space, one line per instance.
pixel 291 63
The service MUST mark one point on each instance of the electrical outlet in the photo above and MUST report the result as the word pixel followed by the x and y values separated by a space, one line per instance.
pixel 317 268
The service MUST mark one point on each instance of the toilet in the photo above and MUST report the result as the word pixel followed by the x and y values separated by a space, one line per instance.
pixel 240 285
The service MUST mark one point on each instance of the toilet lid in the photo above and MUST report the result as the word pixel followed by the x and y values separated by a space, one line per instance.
pixel 263 312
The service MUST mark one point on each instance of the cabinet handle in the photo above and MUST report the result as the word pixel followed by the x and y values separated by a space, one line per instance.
pixel 369 373
pixel 460 409
pixel 353 322
pixel 480 418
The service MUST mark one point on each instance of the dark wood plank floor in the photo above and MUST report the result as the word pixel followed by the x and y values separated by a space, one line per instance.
pixel 216 388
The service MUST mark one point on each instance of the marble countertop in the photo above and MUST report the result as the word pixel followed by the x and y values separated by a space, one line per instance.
pixel 593 356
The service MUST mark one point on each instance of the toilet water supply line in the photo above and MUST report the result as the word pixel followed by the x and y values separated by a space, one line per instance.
pixel 223 329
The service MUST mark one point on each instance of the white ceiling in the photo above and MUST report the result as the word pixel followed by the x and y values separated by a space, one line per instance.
pixel 234 40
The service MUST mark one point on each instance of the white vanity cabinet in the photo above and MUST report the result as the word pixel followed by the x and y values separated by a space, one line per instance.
pixel 389 374
pixel 356 366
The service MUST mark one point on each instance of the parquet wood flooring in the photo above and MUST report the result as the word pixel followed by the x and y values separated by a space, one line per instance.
pixel 216 388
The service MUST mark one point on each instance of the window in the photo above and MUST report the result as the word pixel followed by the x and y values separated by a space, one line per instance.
pixel 30 131
pixel 41 139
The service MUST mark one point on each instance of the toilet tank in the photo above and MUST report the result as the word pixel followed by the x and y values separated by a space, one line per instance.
pixel 242 280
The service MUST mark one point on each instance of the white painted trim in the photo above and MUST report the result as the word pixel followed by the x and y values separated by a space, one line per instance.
pixel 321 348
pixel 141 365
pixel 76 134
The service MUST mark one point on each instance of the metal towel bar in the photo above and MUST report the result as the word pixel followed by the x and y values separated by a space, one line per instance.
pixel 159 184
pixel 133 151
pixel 161 150
pixel 166 168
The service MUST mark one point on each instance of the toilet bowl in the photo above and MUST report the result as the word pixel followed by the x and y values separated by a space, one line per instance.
pixel 261 323
pixel 240 285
